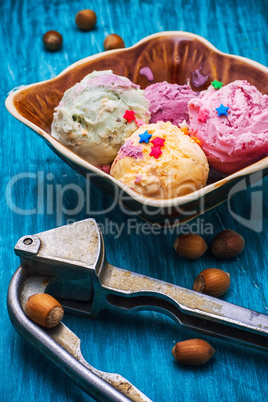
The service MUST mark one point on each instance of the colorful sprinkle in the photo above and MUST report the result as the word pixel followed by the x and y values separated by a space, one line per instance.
pixel 140 122
pixel 128 149
pixel 105 168
pixel 222 110
pixel 183 124
pixel 203 115
pixel 198 78
pixel 147 72
pixel 145 137
pixel 184 127
pixel 197 141
pixel 129 115
pixel 138 178
pixel 185 130
pixel 156 152
pixel 158 142
pixel 217 84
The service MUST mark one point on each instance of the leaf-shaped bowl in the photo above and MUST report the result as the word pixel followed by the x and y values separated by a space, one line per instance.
pixel 176 57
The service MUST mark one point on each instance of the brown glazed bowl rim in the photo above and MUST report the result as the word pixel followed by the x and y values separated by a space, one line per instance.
pixel 74 158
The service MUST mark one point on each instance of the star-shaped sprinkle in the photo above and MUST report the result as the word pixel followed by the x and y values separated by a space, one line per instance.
pixel 217 84
pixel 156 152
pixel 222 110
pixel 145 137
pixel 203 115
pixel 140 122
pixel 129 115
pixel 158 142
pixel 184 127
pixel 183 124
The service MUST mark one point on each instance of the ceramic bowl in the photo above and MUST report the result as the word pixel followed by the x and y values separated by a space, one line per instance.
pixel 176 57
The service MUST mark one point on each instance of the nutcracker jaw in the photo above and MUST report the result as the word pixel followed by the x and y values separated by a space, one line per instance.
pixel 73 255
pixel 62 347
pixel 66 262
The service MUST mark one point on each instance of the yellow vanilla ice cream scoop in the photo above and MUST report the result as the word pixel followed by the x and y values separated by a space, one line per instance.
pixel 161 161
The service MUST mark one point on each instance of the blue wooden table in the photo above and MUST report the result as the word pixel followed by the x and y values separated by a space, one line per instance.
pixel 137 346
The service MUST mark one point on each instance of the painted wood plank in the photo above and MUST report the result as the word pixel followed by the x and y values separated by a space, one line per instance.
pixel 137 346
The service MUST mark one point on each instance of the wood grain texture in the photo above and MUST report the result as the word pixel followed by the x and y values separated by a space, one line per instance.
pixel 137 346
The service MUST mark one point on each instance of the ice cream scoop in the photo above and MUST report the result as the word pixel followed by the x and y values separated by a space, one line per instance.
pixel 160 161
pixel 97 114
pixel 232 125
pixel 169 102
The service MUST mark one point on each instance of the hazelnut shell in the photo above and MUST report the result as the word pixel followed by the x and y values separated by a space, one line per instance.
pixel 113 41
pixel 44 309
pixel 227 244
pixel 190 246
pixel 212 281
pixel 52 40
pixel 194 352
pixel 86 19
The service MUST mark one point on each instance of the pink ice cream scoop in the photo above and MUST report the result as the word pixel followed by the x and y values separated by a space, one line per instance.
pixel 232 125
pixel 169 102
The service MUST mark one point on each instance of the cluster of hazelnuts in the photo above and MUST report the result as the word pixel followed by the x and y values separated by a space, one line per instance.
pixel 85 21
pixel 225 245
pixel 211 281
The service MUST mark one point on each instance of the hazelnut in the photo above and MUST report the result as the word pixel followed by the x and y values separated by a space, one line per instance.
pixel 212 281
pixel 194 352
pixel 190 246
pixel 113 41
pixel 44 310
pixel 52 40
pixel 86 19
pixel 227 244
